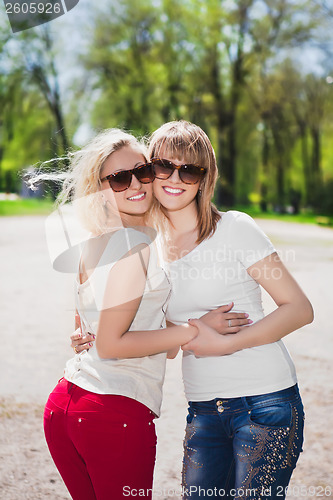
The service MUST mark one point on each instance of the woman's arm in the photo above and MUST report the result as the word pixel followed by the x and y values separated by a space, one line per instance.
pixel 172 353
pixel 123 294
pixel 220 319
pixel 294 311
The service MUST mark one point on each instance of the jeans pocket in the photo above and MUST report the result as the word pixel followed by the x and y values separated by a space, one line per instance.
pixel 94 434
pixel 189 416
pixel 271 415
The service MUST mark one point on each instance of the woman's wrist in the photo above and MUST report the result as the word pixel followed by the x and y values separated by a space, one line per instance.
pixel 229 344
pixel 241 340
pixel 191 332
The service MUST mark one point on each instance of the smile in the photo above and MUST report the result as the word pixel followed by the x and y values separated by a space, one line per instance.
pixel 137 197
pixel 173 191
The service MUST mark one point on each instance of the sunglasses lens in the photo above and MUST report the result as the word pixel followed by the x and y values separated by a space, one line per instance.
pixel 144 173
pixel 162 169
pixel 120 181
pixel 190 174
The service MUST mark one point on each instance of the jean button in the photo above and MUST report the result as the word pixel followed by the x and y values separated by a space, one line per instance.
pixel 219 405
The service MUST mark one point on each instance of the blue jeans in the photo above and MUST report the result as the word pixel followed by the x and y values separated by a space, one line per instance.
pixel 243 447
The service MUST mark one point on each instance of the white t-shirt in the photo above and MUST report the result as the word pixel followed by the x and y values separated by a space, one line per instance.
pixel 213 274
pixel 137 378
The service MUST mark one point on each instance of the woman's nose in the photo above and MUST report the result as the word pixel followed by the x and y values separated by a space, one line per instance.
pixel 135 183
pixel 174 177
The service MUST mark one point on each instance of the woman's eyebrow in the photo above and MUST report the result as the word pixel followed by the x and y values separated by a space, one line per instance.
pixel 124 169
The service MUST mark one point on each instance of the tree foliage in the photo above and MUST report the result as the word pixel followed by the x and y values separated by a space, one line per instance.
pixel 229 66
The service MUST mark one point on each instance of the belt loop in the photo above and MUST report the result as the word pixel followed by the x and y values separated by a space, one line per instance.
pixel 245 403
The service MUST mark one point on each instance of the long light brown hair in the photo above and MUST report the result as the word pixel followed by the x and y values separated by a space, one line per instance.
pixel 187 142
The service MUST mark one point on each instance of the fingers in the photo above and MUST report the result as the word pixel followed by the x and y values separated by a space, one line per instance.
pixel 187 347
pixel 184 347
pixel 225 308
pixel 78 340
pixel 195 322
pixel 239 322
pixel 83 347
pixel 76 335
pixel 234 329
pixel 236 315
pixel 78 321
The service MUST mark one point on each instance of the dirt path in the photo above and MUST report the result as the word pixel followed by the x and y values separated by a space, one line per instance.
pixel 36 310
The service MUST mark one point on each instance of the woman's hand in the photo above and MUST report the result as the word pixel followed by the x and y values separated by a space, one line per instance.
pixel 224 321
pixel 205 343
pixel 78 342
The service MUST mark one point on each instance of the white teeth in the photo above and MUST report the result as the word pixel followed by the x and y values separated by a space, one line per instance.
pixel 137 197
pixel 173 191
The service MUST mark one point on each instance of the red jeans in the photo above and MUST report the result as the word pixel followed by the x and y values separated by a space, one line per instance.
pixel 103 445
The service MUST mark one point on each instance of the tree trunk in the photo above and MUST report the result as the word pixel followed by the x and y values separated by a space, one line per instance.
pixel 223 191
pixel 316 166
pixel 230 167
pixel 60 124
pixel 280 164
pixel 264 160
pixel 305 162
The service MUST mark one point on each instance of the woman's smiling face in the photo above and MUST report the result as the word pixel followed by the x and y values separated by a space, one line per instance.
pixel 137 199
pixel 172 193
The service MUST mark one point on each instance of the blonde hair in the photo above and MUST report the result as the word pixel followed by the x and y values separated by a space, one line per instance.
pixel 81 182
pixel 186 141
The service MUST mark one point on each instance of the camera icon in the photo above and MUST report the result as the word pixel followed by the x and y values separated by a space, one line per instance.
pixel 26 14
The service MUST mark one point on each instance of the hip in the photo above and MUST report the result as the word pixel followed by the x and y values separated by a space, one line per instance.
pixel 70 398
pixel 261 409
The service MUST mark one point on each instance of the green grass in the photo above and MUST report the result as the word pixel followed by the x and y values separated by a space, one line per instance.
pixel 25 207
pixel 304 217
pixel 44 207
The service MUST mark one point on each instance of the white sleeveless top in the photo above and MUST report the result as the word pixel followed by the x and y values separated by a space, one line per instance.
pixel 211 275
pixel 137 378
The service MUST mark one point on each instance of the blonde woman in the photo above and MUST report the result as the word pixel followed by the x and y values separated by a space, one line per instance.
pixel 98 420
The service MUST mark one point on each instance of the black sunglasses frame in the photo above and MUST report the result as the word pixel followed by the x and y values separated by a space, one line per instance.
pixel 133 171
pixel 201 170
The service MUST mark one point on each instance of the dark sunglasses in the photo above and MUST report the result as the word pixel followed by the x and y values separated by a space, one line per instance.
pixel 120 181
pixel 188 173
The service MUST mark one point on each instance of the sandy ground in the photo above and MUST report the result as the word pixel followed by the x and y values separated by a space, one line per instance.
pixel 36 311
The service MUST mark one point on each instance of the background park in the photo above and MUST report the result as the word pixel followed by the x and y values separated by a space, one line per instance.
pixel 257 76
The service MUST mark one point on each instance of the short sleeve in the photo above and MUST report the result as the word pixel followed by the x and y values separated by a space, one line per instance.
pixel 248 242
